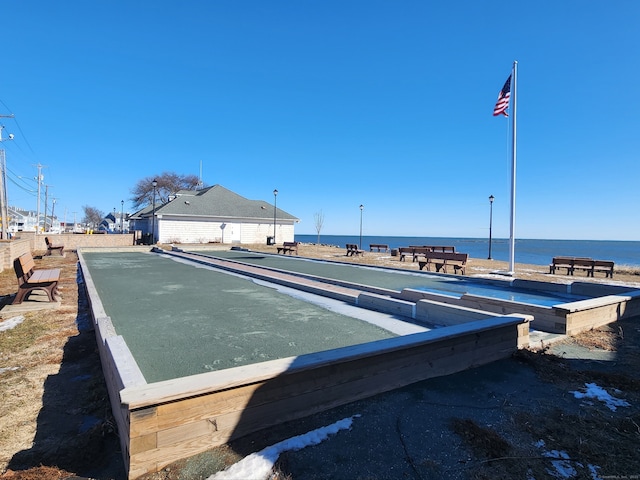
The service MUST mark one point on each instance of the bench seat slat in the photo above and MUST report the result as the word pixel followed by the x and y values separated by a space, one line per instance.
pixel 43 276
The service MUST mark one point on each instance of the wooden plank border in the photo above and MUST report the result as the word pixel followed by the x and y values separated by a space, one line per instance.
pixel 177 418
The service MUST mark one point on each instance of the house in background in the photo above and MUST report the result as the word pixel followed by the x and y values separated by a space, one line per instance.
pixel 27 221
pixel 115 222
pixel 214 215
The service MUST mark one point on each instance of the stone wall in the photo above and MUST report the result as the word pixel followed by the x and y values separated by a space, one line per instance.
pixel 25 242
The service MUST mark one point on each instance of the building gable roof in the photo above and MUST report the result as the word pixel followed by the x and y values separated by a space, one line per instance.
pixel 217 201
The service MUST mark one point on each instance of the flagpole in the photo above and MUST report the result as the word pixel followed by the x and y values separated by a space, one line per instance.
pixel 514 97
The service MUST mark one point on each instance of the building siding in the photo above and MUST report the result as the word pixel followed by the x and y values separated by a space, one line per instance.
pixel 209 231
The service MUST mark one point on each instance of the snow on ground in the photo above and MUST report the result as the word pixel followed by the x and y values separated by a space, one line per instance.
pixel 562 464
pixel 258 466
pixel 599 393
pixel 11 323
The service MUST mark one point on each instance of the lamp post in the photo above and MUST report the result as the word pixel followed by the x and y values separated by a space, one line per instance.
pixel 275 198
pixel 361 208
pixel 153 213
pixel 491 199
pixel 121 217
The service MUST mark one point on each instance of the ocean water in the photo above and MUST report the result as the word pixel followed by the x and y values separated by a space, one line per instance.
pixel 534 252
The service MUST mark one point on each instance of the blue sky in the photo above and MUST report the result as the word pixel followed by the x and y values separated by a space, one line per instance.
pixel 335 104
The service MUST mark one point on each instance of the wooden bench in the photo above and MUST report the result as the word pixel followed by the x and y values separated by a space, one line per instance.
pixel 51 247
pixel 30 279
pixel 380 247
pixel 589 265
pixel 583 264
pixel 289 247
pixel 417 251
pixel 604 266
pixel 353 250
pixel 404 251
pixel 442 260
pixel 561 262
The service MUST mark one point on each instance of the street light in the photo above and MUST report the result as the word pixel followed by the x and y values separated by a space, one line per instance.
pixel 275 197
pixel 153 213
pixel 121 217
pixel 491 199
pixel 361 208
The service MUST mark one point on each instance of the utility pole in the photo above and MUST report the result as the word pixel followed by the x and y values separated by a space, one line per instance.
pixel 40 178
pixel 53 211
pixel 3 205
pixel 3 183
pixel 46 201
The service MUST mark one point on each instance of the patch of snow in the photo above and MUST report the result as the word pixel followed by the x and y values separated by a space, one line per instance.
pixel 8 369
pixel 258 466
pixel 11 323
pixel 594 472
pixel 562 464
pixel 563 468
pixel 599 393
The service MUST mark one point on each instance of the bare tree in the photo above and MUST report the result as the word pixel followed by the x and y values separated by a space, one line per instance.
pixel 92 216
pixel 318 218
pixel 168 184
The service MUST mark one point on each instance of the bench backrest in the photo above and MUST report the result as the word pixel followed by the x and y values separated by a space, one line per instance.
pixel 449 256
pixel 582 262
pixel 562 260
pixel 290 244
pixel 430 248
pixel 23 266
pixel 603 263
pixel 46 239
pixel 443 248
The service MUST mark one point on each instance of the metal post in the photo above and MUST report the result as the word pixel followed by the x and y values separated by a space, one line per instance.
pixel 153 213
pixel 491 199
pixel 121 217
pixel 275 197
pixel 361 208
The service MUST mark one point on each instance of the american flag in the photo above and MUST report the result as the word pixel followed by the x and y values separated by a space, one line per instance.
pixel 503 99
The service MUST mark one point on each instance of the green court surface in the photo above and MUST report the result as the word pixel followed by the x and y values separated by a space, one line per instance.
pixel 180 319
pixel 392 279
pixel 364 275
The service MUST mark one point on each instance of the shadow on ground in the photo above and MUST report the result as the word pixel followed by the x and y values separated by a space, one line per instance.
pixel 75 428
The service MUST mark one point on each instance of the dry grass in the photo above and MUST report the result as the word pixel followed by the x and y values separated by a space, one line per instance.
pixel 40 394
